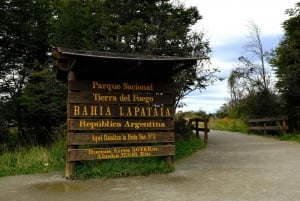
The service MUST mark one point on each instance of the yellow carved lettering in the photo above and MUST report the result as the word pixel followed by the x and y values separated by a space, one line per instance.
pixel 76 110
pixel 108 113
pixel 147 111
pixel 136 111
pixel 84 112
pixel 167 114
pixel 142 114
pixel 94 110
pixel 155 114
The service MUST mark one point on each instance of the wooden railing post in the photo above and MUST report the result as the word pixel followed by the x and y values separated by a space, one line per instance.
pixel 206 131
pixel 197 129
pixel 284 126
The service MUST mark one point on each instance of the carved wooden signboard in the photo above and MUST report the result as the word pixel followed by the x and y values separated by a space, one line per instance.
pixel 119 114
pixel 121 106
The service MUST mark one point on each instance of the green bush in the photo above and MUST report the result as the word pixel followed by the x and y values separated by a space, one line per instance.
pixel 182 130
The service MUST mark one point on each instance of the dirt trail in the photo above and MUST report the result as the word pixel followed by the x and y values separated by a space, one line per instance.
pixel 233 167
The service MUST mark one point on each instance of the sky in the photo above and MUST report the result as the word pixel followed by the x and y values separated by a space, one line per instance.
pixel 224 23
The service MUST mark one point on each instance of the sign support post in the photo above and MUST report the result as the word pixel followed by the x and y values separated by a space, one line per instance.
pixel 70 165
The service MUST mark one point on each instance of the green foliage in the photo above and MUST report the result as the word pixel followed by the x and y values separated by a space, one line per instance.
pixel 186 148
pixel 227 110
pixel 228 124
pixel 30 101
pixel 290 137
pixel 148 27
pixel 24 31
pixel 182 130
pixel 260 104
pixel 286 63
pixel 33 160
pixel 38 109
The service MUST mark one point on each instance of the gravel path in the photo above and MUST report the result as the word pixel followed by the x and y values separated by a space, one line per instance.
pixel 233 167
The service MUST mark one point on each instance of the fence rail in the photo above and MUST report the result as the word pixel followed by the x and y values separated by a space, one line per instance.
pixel 269 124
pixel 194 123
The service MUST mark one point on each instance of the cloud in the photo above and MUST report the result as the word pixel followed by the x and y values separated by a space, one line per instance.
pixel 225 26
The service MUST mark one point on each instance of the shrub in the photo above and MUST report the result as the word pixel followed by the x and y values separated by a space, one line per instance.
pixel 182 130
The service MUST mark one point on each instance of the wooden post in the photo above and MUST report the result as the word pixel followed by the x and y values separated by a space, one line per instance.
pixel 70 165
pixel 205 131
pixel 170 160
pixel 197 129
pixel 284 126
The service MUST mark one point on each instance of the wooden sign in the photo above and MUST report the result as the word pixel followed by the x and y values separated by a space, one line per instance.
pixel 120 138
pixel 120 98
pixel 119 152
pixel 121 113
pixel 120 124
pixel 112 111
pixel 85 85
pixel 124 102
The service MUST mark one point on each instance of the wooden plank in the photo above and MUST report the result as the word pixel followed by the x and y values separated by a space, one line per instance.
pixel 120 138
pixel 102 86
pixel 268 128
pixel 111 111
pixel 120 98
pixel 204 129
pixel 268 119
pixel 120 152
pixel 121 124
pixel 199 120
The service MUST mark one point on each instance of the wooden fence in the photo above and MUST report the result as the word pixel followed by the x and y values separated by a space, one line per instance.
pixel 200 124
pixel 269 124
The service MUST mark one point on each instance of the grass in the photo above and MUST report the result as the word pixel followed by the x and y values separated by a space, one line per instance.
pixel 187 148
pixel 33 160
pixel 228 124
pixel 120 168
pixel 42 160
pixel 290 137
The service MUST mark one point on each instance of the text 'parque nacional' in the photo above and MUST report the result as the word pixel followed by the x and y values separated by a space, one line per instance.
pixel 123 86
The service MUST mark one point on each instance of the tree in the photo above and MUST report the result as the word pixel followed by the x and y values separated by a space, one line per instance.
pixel 24 30
pixel 29 28
pixel 155 27
pixel 250 83
pixel 286 63
pixel 25 27
pixel 39 109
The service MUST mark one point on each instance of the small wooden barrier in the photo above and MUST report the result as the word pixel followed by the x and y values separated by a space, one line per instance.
pixel 269 124
pixel 194 123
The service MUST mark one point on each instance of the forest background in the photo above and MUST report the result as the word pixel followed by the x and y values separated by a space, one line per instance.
pixel 33 103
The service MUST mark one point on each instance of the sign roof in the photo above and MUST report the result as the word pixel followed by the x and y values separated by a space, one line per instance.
pixel 119 65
